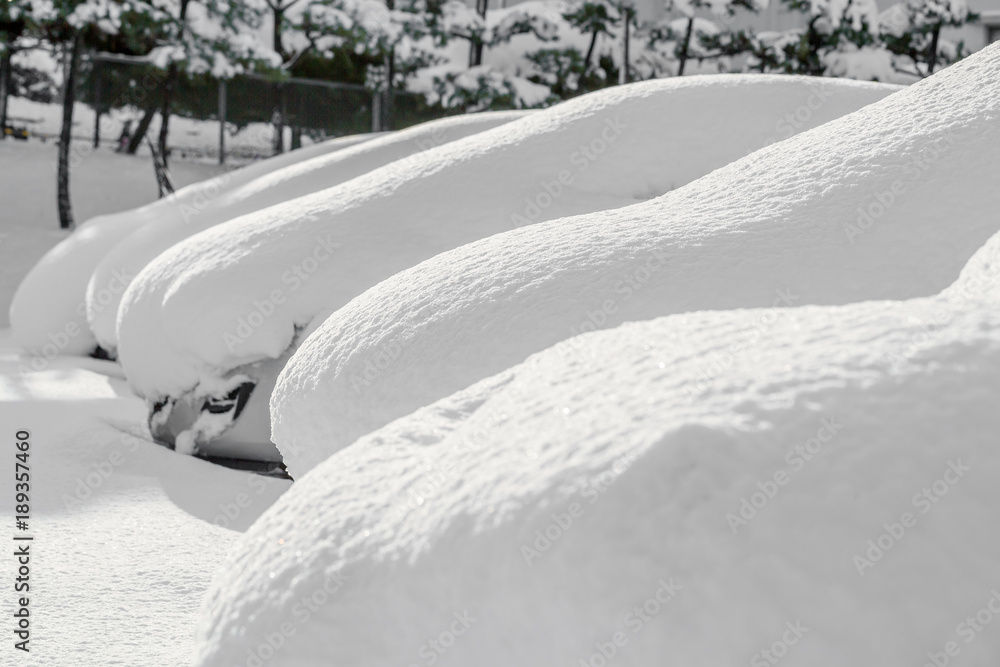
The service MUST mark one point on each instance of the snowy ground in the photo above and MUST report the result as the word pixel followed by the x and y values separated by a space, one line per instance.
pixel 188 137
pixel 127 535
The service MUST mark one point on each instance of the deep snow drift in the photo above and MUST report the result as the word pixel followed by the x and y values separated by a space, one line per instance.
pixel 239 292
pixel 51 300
pixel 690 490
pixel 888 202
pixel 294 180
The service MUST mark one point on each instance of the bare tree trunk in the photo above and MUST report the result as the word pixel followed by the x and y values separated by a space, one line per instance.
pixel 66 134
pixel 4 88
pixel 476 47
pixel 590 50
pixel 684 47
pixel 390 70
pixel 623 76
pixel 279 117
pixel 168 91
pixel 140 132
pixel 278 12
pixel 390 75
pixel 932 58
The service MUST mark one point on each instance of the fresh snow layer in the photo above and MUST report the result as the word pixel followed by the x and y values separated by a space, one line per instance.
pixel 130 256
pixel 886 203
pixel 127 535
pixel 690 490
pixel 238 292
pixel 51 300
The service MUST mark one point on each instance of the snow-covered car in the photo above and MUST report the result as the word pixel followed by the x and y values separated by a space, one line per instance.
pixel 50 304
pixel 908 183
pixel 207 325
pixel 625 493
pixel 605 499
pixel 309 175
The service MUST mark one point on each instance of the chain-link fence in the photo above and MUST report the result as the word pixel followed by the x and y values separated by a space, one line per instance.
pixel 244 117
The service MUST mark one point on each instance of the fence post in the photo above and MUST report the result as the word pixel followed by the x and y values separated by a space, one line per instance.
pixel 96 64
pixel 222 121
pixel 377 111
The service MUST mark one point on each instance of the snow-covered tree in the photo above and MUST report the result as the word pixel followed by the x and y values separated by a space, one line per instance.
pixel 559 69
pixel 670 44
pixel 280 23
pixel 200 36
pixel 629 23
pixel 68 25
pixel 692 42
pixel 593 18
pixel 13 21
pixel 832 26
pixel 389 40
pixel 911 31
pixel 840 38
pixel 364 27
pixel 478 85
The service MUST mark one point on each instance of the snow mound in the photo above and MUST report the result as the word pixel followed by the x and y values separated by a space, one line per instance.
pixel 50 304
pixel 297 179
pixel 817 481
pixel 205 310
pixel 888 202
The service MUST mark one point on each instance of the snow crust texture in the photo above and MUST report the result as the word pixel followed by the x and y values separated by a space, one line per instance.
pixel 888 202
pixel 693 489
pixel 51 301
pixel 237 293
pixel 308 174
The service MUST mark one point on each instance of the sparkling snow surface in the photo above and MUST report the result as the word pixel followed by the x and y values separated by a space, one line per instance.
pixel 179 323
pixel 294 180
pixel 886 203
pixel 53 294
pixel 722 471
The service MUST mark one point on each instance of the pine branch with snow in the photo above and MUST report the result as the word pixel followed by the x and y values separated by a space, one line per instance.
pixel 911 31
